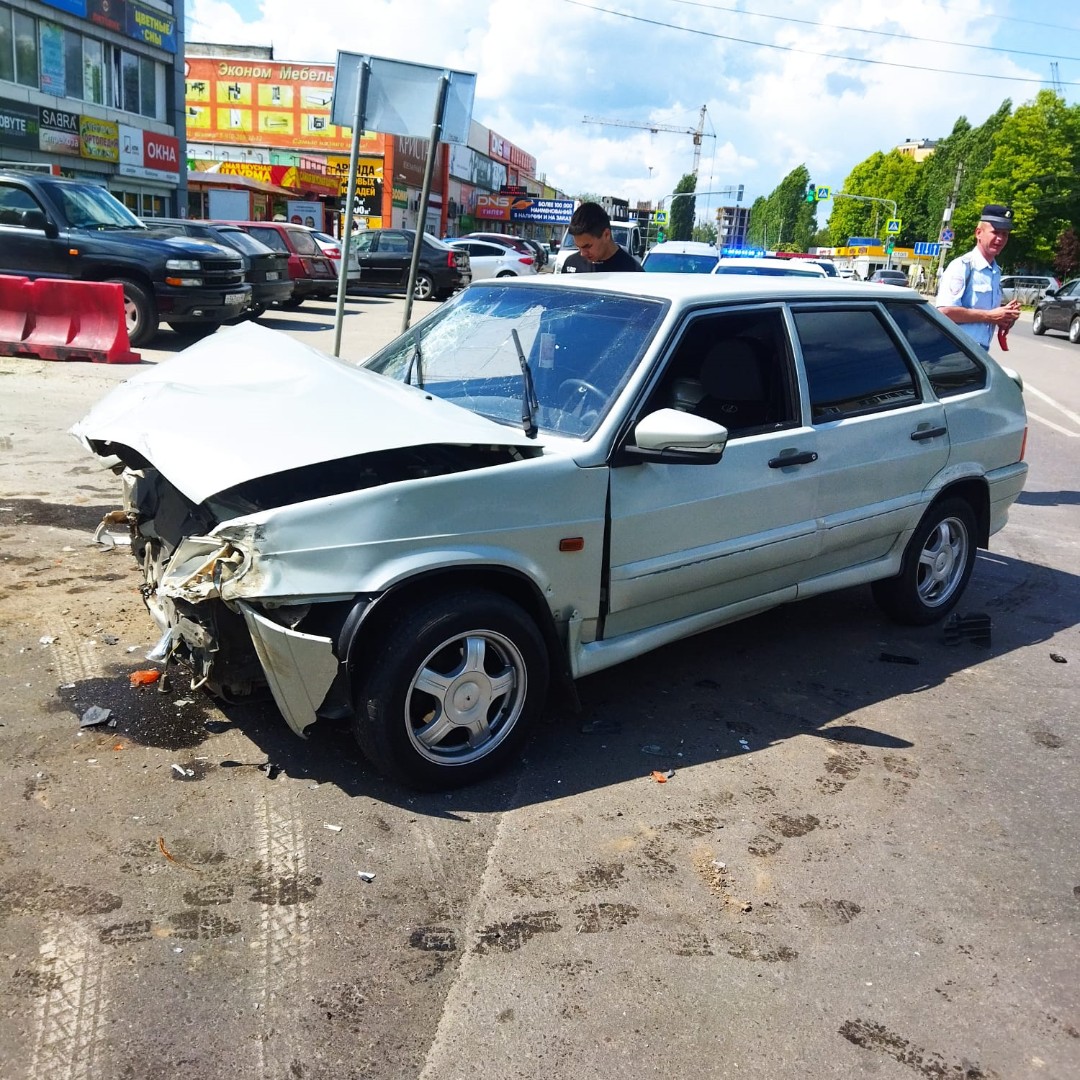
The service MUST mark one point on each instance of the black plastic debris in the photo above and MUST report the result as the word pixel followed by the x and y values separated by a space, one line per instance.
pixel 896 658
pixel 94 715
pixel 267 767
pixel 1058 658
pixel 975 628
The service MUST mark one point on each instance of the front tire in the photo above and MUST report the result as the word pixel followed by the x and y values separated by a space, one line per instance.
pixel 140 312
pixel 1037 325
pixel 450 695
pixel 424 287
pixel 936 567
pixel 1074 330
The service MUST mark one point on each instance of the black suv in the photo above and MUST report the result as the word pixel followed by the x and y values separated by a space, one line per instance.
pixel 386 254
pixel 53 227
pixel 266 270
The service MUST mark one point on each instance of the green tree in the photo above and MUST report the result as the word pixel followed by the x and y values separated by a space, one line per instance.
pixel 1033 168
pixel 890 178
pixel 784 221
pixel 681 218
pixel 705 233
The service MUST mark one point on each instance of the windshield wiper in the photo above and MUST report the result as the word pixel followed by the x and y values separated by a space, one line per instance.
pixel 417 358
pixel 529 405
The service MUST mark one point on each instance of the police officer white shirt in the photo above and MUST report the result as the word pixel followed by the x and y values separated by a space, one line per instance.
pixel 971 282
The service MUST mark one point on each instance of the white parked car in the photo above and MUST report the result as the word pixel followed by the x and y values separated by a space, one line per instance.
pixel 681 257
pixel 543 478
pixel 490 260
pixel 769 266
pixel 331 248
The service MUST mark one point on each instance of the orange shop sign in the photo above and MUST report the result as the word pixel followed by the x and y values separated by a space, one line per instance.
pixel 496 207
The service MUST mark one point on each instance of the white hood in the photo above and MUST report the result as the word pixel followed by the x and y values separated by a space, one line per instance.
pixel 250 402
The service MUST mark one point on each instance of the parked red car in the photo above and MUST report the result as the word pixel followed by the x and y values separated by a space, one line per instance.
pixel 312 272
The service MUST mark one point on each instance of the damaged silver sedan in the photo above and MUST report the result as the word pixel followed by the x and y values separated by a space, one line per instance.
pixel 543 479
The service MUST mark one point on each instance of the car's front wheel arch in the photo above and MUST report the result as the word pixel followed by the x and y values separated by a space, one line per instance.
pixel 449 685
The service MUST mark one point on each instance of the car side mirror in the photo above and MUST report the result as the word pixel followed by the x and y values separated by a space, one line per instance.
pixel 1050 291
pixel 675 437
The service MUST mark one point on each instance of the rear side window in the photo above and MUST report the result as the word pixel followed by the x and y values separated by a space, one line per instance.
pixel 270 237
pixel 853 364
pixel 948 367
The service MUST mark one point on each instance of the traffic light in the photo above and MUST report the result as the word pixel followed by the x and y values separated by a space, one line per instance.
pixel 811 192
pixel 659 236
pixel 889 246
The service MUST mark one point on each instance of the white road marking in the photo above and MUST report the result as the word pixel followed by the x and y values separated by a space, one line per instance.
pixel 1074 417
pixel 1051 424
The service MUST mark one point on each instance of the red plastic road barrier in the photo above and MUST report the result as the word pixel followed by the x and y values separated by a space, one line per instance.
pixel 65 320
pixel 14 308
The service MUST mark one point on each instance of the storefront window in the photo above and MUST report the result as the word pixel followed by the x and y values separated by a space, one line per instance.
pixel 93 81
pixel 147 88
pixel 7 46
pixel 26 50
pixel 73 63
pixel 129 73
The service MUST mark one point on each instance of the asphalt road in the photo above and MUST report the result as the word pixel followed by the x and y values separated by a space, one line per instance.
pixel 865 863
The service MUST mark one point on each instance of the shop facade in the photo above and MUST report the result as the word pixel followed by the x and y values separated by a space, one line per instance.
pixel 88 89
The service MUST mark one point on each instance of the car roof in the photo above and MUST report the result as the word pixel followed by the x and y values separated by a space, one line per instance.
pixel 794 267
pixel 683 247
pixel 686 290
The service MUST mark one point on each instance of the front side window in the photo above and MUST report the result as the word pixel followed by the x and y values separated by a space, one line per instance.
pixel 949 368
pixel 853 364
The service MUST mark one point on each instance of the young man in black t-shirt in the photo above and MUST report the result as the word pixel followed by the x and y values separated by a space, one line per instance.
pixel 597 251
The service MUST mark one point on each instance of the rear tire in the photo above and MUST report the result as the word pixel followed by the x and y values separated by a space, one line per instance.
pixel 293 302
pixel 140 312
pixel 451 693
pixel 936 567
pixel 424 288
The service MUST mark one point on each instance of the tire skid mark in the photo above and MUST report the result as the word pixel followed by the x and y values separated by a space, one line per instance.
pixel 68 1018
pixel 76 658
pixel 284 938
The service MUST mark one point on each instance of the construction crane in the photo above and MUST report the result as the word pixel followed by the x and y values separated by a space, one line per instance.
pixel 698 132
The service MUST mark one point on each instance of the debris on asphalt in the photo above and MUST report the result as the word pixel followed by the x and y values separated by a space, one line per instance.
pixel 744 744
pixel 184 773
pixel 332 828
pixel 46 639
pixel 94 715
pixel 1058 658
pixel 365 875
pixel 896 658
pixel 144 677
pixel 659 777
pixel 267 767
pixel 974 627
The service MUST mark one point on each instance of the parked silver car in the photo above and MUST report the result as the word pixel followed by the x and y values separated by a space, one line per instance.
pixel 543 478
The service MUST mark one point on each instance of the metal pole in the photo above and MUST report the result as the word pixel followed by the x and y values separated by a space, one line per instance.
pixel 429 168
pixel 350 195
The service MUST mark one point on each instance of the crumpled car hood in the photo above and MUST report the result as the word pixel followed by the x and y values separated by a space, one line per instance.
pixel 250 402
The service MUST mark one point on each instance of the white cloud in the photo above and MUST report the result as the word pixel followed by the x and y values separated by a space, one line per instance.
pixel 543 66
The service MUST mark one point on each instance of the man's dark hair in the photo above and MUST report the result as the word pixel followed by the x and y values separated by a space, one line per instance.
pixel 589 218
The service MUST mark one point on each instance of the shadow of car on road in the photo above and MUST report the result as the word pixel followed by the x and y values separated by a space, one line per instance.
pixel 806 669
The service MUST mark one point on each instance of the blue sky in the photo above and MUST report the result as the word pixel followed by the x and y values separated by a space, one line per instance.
pixel 783 83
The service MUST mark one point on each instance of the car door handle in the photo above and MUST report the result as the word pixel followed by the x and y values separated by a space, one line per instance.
pixel 784 460
pixel 928 433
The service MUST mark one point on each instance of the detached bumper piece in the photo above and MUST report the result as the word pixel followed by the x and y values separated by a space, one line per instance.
pixel 974 628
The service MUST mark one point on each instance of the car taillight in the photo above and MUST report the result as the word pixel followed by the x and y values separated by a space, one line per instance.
pixel 526 259
pixel 452 259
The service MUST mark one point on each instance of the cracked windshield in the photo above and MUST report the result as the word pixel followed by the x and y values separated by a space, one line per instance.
pixel 577 352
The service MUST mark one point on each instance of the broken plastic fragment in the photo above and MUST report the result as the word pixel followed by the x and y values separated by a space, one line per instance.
pixel 659 777
pixel 1058 658
pixel 181 771
pixel 46 639
pixel 144 677
pixel 365 875
pixel 896 658
pixel 94 715
pixel 333 828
